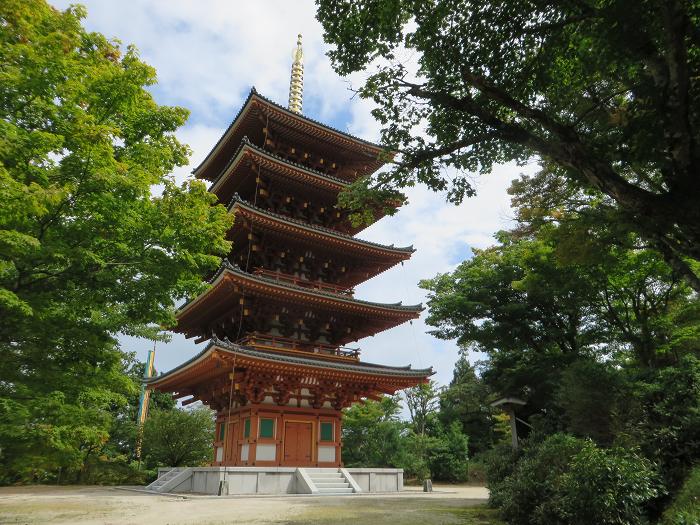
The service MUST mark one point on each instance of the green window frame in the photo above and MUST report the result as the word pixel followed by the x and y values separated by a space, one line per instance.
pixel 222 431
pixel 267 428
pixel 326 431
pixel 246 428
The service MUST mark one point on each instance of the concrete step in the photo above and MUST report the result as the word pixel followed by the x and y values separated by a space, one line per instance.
pixel 339 485
pixel 160 484
pixel 326 476
pixel 335 491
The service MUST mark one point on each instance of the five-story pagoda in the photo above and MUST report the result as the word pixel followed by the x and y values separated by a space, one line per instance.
pixel 281 309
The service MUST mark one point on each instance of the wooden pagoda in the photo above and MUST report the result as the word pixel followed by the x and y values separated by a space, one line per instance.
pixel 281 308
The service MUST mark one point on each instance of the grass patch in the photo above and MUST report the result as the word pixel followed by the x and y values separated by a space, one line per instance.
pixel 393 511
pixel 51 512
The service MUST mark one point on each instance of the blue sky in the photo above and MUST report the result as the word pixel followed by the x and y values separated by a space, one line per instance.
pixel 208 54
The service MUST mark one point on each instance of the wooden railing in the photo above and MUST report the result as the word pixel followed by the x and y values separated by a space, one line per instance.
pixel 326 287
pixel 286 343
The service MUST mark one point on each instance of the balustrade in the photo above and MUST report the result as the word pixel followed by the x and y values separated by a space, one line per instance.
pixel 286 343
pixel 298 281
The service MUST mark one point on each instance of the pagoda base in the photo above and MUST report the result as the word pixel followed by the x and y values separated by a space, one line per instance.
pixel 278 480
pixel 270 435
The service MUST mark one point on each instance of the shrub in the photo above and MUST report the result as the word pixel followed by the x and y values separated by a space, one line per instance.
pixel 477 470
pixel 567 480
pixel 535 479
pixel 668 431
pixel 604 486
pixel 448 455
pixel 499 463
pixel 685 509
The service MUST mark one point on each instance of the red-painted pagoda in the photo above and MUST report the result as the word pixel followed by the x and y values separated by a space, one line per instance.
pixel 281 309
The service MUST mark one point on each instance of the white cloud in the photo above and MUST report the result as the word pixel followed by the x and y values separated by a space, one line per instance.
pixel 209 53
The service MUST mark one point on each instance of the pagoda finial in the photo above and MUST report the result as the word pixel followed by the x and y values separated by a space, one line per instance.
pixel 296 84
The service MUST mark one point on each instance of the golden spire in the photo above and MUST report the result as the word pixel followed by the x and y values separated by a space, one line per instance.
pixel 296 84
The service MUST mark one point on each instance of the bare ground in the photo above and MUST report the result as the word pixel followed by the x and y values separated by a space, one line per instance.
pixel 449 504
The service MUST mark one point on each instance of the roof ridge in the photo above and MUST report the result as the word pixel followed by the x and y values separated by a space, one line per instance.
pixel 254 92
pixel 245 141
pixel 238 199
pixel 345 133
pixel 232 267
pixel 360 366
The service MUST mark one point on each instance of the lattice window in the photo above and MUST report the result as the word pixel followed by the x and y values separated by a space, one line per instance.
pixel 326 431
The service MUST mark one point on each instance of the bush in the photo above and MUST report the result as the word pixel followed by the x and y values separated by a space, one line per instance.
pixel 567 480
pixel 448 455
pixel 535 479
pixel 685 509
pixel 668 430
pixel 477 470
pixel 605 486
pixel 499 462
pixel 117 472
pixel 413 456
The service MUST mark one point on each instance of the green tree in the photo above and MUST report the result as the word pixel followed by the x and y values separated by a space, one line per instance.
pixel 124 429
pixel 176 438
pixel 422 402
pixel 589 395
pixel 663 418
pixel 605 92
pixel 373 435
pixel 535 312
pixel 466 400
pixel 87 249
pixel 448 455
pixel 515 304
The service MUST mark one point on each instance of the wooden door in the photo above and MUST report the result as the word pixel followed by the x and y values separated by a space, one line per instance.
pixel 231 444
pixel 297 443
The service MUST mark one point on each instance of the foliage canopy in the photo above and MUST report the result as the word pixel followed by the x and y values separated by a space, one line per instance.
pixel 605 92
pixel 87 250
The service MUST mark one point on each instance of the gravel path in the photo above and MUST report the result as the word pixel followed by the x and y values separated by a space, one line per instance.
pixel 448 504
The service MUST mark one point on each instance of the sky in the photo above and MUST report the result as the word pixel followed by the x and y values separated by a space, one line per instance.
pixel 208 55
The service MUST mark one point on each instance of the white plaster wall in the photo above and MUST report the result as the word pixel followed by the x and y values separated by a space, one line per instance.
pixel 326 453
pixel 244 452
pixel 265 452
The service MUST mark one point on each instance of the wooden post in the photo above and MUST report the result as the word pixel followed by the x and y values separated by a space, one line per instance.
pixel 513 428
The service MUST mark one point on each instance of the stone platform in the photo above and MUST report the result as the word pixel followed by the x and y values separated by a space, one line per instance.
pixel 277 480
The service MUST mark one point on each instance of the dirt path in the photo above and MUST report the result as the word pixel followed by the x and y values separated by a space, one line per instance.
pixel 106 505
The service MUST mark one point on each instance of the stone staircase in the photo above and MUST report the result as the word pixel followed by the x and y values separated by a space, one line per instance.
pixel 330 481
pixel 170 479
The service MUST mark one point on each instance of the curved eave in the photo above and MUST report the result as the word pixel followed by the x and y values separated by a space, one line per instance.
pixel 225 347
pixel 305 124
pixel 276 165
pixel 227 271
pixel 326 235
